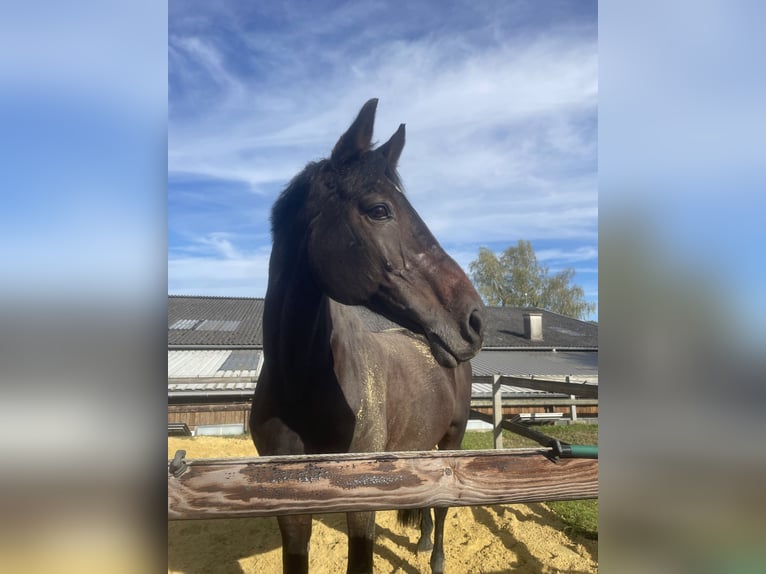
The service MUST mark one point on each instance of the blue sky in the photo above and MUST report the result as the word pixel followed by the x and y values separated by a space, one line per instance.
pixel 500 100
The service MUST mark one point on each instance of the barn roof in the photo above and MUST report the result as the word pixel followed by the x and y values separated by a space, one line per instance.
pixel 215 321
pixel 215 348
pixel 231 322
pixel 217 366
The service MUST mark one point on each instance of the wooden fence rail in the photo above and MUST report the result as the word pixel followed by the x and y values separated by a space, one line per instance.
pixel 579 389
pixel 269 486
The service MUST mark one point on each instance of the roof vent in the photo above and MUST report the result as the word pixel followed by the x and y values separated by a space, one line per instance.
pixel 533 326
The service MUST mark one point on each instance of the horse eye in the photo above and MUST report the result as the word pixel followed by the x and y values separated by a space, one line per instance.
pixel 379 212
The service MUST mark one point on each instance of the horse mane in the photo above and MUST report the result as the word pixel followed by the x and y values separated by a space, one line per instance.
pixel 290 201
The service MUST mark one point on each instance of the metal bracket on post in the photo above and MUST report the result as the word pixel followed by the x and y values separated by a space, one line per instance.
pixel 178 465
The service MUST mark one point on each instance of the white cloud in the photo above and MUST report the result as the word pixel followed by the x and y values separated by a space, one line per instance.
pixel 493 120
pixel 501 141
pixel 585 253
pixel 222 244
pixel 214 265
pixel 242 276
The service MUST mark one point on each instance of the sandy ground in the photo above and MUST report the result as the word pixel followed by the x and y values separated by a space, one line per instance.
pixel 519 538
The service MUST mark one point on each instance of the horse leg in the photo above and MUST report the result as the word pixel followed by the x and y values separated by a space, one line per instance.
pixel 419 517
pixel 426 528
pixel 296 533
pixel 437 556
pixel 361 540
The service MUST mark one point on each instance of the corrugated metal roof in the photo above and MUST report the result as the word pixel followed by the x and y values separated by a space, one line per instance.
pixel 555 365
pixel 484 390
pixel 211 387
pixel 478 390
pixel 243 360
pixel 247 363
pixel 214 364
pixel 578 365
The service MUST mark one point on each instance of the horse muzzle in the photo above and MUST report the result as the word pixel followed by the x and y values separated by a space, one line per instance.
pixel 451 347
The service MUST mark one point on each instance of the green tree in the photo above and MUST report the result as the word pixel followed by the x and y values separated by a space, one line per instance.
pixel 518 279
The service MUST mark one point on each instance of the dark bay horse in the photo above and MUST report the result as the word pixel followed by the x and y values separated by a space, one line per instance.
pixel 344 235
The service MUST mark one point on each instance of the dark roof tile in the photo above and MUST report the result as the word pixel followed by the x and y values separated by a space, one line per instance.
pixel 236 321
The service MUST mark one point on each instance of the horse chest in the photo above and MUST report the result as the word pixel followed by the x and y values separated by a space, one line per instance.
pixel 363 382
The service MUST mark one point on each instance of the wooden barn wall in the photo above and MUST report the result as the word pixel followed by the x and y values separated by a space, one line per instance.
pixel 239 412
pixel 209 414
pixel 582 411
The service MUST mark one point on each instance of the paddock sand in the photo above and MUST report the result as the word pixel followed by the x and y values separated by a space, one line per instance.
pixel 518 538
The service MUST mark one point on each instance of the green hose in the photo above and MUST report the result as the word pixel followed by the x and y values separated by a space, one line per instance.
pixel 579 451
pixel 558 448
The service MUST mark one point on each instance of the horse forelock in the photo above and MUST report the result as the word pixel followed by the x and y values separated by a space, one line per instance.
pixel 354 178
pixel 364 174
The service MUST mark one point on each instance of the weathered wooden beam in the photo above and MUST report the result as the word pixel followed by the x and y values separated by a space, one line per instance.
pixel 209 408
pixel 530 402
pixel 583 390
pixel 268 486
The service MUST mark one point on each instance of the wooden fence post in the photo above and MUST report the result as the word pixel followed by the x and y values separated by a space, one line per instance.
pixel 572 407
pixel 497 412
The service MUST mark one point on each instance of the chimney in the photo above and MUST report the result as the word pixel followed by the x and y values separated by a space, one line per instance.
pixel 533 326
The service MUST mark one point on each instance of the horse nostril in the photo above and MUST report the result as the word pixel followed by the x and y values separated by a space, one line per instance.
pixel 476 322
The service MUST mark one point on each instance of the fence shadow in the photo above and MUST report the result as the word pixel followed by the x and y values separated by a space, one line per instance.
pixel 205 546
pixel 548 516
pixel 399 562
pixel 489 516
pixel 216 546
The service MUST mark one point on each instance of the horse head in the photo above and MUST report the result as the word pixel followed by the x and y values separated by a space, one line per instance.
pixel 368 246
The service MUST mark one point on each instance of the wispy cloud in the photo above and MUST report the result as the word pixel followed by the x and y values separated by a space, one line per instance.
pixel 242 277
pixel 586 253
pixel 497 109
pixel 222 245
pixel 212 265
pixel 500 104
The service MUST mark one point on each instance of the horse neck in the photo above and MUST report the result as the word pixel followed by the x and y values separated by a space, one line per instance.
pixel 297 324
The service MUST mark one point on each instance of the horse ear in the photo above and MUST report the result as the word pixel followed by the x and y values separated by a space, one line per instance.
pixel 358 137
pixel 392 149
